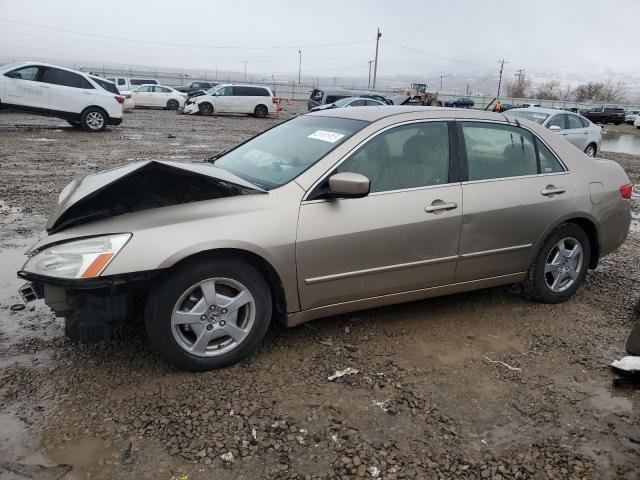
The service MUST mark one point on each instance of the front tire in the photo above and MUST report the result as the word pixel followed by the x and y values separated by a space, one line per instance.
pixel 209 314
pixel 591 150
pixel 173 104
pixel 93 120
pixel 205 109
pixel 260 111
pixel 560 266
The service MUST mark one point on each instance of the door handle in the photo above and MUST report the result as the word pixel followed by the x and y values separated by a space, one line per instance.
pixel 551 190
pixel 439 205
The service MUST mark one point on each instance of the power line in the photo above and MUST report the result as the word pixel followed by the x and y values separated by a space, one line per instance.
pixel 435 55
pixel 182 45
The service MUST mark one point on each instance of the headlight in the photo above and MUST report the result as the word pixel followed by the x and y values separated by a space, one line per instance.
pixel 86 258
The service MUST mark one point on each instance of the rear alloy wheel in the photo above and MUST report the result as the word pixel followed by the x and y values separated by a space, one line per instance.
pixel 205 108
pixel 173 104
pixel 560 266
pixel 590 150
pixel 260 111
pixel 209 314
pixel 93 120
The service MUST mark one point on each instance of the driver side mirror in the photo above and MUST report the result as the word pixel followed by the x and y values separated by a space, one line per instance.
pixel 554 128
pixel 349 185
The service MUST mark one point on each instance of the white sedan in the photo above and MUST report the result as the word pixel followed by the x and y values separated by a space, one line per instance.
pixel 158 96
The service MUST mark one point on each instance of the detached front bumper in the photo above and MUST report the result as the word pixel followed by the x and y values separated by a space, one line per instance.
pixel 190 108
pixel 94 308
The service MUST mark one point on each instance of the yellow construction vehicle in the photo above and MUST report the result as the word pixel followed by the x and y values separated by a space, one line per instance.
pixel 418 93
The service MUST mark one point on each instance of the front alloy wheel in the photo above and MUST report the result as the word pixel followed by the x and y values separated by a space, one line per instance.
pixel 208 313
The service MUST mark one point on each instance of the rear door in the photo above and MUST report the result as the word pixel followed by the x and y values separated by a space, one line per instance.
pixel 70 92
pixel 515 188
pixel 161 96
pixel 25 89
pixel 403 236
pixel 577 132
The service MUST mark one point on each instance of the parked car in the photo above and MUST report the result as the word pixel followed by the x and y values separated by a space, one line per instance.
pixel 463 102
pixel 83 100
pixel 195 86
pixel 350 102
pixel 126 83
pixel 249 99
pixel 529 105
pixel 327 213
pixel 158 96
pixel 128 103
pixel 574 128
pixel 604 115
pixel 631 116
pixel 636 122
pixel 323 96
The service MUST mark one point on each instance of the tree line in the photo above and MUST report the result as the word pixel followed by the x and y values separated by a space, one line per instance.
pixel 606 92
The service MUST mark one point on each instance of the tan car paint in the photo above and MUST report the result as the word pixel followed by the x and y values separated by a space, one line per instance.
pixel 352 254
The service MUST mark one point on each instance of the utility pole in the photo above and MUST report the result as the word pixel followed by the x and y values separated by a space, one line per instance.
pixel 299 66
pixel 245 70
pixel 502 62
pixel 369 82
pixel 335 81
pixel 375 68
pixel 520 75
pixel 441 82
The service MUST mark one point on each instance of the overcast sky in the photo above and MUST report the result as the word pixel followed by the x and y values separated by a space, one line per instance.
pixel 539 36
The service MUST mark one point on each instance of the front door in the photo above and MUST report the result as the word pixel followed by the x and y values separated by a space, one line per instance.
pixel 23 88
pixel 403 236
pixel 515 189
pixel 224 100
pixel 143 96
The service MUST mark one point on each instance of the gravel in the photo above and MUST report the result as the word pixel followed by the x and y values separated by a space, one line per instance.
pixel 426 396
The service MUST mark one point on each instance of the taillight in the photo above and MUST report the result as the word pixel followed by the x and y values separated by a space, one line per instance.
pixel 275 100
pixel 626 191
pixel 119 98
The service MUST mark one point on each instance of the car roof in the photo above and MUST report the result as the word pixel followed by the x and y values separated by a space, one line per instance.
pixel 372 114
pixel 549 111
pixel 43 64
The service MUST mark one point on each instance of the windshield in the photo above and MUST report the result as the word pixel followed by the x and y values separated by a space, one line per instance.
pixel 279 155
pixel 528 115
pixel 213 89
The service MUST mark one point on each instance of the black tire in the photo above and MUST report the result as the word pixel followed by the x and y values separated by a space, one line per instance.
pixel 591 146
pixel 617 123
pixel 205 108
pixel 74 124
pixel 93 119
pixel 173 104
pixel 535 284
pixel 71 328
pixel 166 292
pixel 260 111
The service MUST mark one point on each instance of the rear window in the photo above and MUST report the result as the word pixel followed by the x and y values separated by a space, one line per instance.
pixel 333 98
pixel 108 86
pixel 141 81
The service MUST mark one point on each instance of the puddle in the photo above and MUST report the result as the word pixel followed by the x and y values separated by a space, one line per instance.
pixel 621 143
pixel 605 401
pixel 16 442
pixel 42 140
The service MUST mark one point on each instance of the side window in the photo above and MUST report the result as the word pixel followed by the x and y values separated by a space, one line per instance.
pixel 498 151
pixel 557 121
pixel 574 122
pixel 585 122
pixel 548 162
pixel 121 81
pixel 408 156
pixel 371 103
pixel 334 98
pixel 263 92
pixel 84 83
pixel 25 73
pixel 224 92
pixel 356 103
pixel 161 90
pixel 62 77
pixel 145 89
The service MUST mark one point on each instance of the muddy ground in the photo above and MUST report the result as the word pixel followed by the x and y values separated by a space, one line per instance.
pixel 430 399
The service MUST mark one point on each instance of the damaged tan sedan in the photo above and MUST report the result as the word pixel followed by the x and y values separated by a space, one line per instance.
pixel 327 213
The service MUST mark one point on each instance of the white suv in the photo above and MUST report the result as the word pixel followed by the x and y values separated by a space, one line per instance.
pixel 249 99
pixel 83 100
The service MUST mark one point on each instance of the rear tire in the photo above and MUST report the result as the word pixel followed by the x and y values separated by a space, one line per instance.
pixel 205 109
pixel 93 119
pixel 199 299
pixel 173 104
pixel 557 272
pixel 260 111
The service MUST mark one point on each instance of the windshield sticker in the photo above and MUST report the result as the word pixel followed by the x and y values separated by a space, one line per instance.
pixel 325 136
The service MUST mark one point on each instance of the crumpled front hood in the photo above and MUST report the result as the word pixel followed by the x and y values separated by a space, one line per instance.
pixel 141 186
